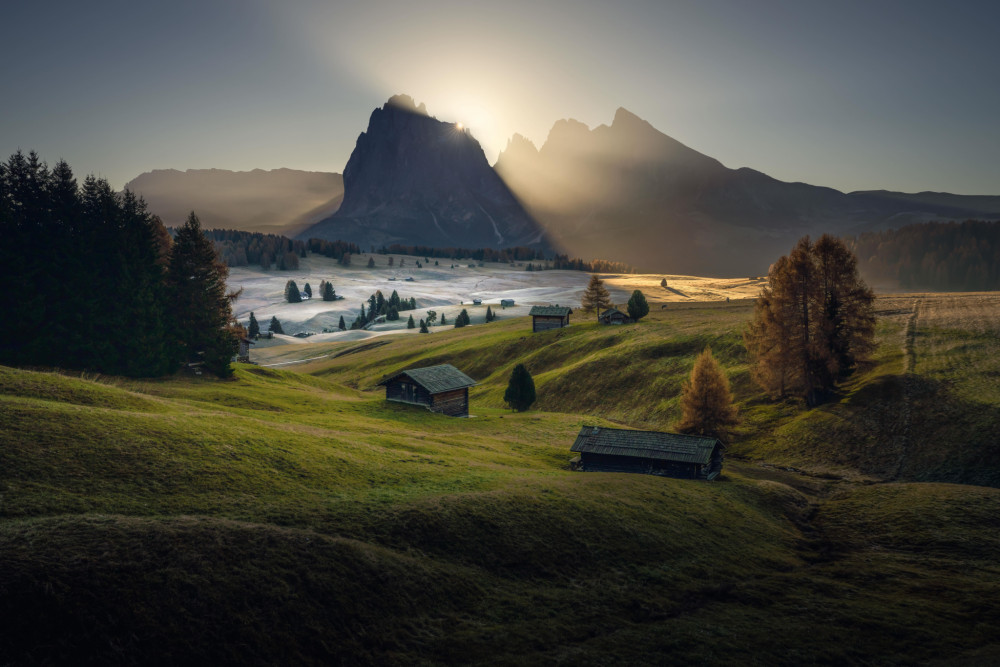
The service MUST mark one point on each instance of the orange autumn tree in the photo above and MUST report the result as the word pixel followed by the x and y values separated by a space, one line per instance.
pixel 706 400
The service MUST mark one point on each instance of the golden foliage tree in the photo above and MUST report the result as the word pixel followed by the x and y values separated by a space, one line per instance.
pixel 596 296
pixel 706 400
pixel 813 322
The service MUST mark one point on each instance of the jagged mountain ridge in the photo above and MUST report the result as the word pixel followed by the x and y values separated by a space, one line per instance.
pixel 629 192
pixel 415 180
pixel 277 201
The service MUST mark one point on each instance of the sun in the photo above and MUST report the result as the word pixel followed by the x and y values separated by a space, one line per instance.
pixel 459 126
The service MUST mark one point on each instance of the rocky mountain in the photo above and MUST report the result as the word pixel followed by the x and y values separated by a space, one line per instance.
pixel 279 201
pixel 629 192
pixel 413 179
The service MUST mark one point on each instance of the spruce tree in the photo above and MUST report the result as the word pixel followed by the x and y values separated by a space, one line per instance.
pixel 371 262
pixel 410 324
pixel 596 296
pixel 275 326
pixel 489 315
pixel 308 290
pixel 328 292
pixel 706 400
pixel 520 393
pixel 292 294
pixel 444 320
pixel 423 327
pixel 253 330
pixel 342 325
pixel 637 306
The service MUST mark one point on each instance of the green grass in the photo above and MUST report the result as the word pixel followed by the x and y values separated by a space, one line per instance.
pixel 296 517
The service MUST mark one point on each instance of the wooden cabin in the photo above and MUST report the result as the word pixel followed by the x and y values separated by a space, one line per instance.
pixel 544 318
pixel 651 452
pixel 243 354
pixel 443 389
pixel 614 316
pixel 506 303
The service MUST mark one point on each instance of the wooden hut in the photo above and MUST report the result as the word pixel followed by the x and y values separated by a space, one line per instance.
pixel 549 317
pixel 651 452
pixel 443 389
pixel 243 354
pixel 614 316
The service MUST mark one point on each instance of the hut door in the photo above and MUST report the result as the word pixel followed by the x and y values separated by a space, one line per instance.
pixel 408 392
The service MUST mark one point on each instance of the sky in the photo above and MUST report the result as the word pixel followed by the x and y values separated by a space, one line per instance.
pixel 852 95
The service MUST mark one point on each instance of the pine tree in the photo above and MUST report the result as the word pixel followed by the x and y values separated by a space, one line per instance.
pixel 637 306
pixel 706 400
pixel 342 325
pixel 292 294
pixel 489 314
pixel 423 327
pixel 308 291
pixel 202 309
pixel 410 324
pixel 371 262
pixel 520 393
pixel 596 296
pixel 254 328
pixel 460 321
pixel 275 326
pixel 328 292
pixel 444 320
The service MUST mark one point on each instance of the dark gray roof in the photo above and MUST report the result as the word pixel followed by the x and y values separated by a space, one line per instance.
pixel 435 379
pixel 612 311
pixel 645 444
pixel 551 311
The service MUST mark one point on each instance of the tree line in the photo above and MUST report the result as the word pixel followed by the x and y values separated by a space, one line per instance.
pixel 238 248
pixel 957 256
pixel 91 280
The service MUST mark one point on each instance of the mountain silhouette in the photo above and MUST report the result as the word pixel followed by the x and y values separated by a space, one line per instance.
pixel 415 180
pixel 279 201
pixel 628 192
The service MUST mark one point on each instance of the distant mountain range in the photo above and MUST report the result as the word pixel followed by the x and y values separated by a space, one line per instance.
pixel 629 192
pixel 415 180
pixel 280 201
pixel 623 192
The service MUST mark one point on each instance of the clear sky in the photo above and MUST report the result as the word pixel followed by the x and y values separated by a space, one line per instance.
pixel 853 95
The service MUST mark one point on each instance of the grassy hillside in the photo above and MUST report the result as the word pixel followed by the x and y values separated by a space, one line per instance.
pixel 295 517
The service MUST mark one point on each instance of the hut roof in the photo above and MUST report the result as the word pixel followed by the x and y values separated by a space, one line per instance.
pixel 611 311
pixel 434 379
pixel 645 444
pixel 551 311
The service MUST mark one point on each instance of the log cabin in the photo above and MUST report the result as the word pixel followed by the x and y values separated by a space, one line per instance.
pixel 614 316
pixel 544 318
pixel 604 449
pixel 443 389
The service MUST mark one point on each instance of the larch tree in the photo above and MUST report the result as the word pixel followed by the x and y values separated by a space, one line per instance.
pixel 706 400
pixel 813 322
pixel 596 296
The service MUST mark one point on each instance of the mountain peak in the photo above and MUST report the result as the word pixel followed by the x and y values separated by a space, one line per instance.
pixel 405 103
pixel 624 116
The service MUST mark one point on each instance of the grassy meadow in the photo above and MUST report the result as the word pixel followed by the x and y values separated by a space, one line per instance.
pixel 292 516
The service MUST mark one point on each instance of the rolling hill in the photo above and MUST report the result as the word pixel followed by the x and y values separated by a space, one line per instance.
pixel 295 516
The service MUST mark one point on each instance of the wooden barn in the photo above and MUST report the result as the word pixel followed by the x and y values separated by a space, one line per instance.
pixel 443 389
pixel 243 354
pixel 544 318
pixel 614 316
pixel 651 452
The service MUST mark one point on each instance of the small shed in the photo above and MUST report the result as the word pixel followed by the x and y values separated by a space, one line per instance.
pixel 443 389
pixel 549 317
pixel 614 316
pixel 506 303
pixel 243 354
pixel 651 452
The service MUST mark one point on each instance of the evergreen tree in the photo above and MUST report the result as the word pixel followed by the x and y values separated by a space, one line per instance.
pixel 663 283
pixel 706 400
pixel 596 296
pixel 409 323
pixel 444 320
pixel 254 328
pixel 637 306
pixel 462 319
pixel 371 262
pixel 328 292
pixel 342 325
pixel 202 308
pixel 423 327
pixel 489 314
pixel 292 294
pixel 308 290
pixel 275 326
pixel 520 393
